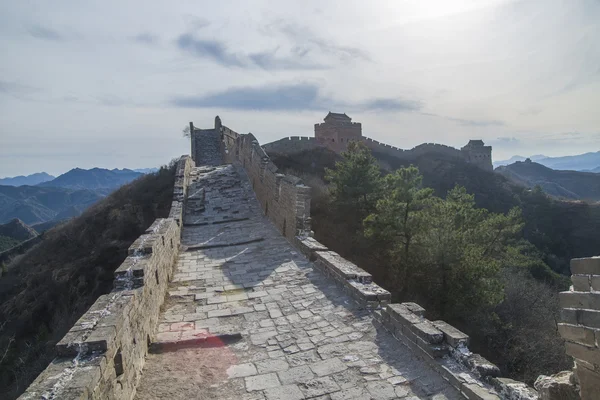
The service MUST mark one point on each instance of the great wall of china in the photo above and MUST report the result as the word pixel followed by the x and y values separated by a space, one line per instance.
pixel 338 130
pixel 230 297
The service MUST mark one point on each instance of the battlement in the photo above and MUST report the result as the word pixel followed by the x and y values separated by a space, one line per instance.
pixel 102 355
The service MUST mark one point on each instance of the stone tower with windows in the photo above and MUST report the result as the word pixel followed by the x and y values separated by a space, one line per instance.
pixel 476 152
pixel 337 131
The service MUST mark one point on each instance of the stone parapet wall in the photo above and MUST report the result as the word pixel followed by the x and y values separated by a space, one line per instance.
pixel 357 282
pixel 292 144
pixel 283 198
pixel 102 355
pixel 412 154
pixel 580 324
pixel 444 347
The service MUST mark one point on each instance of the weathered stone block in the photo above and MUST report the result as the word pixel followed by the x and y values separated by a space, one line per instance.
pixel 595 282
pixel 589 382
pixel 581 283
pixel 589 318
pixel 587 266
pixel 581 352
pixel 473 391
pixel 557 387
pixel 577 334
pixel 453 336
pixel 585 300
pixel 414 308
pixel 569 316
pixel 482 366
pixel 511 389
pixel 402 314
pixel 428 332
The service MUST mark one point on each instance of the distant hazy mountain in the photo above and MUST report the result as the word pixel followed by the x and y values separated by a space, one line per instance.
pixel 565 184
pixel 30 180
pixel 514 159
pixel 95 178
pixel 35 204
pixel 581 162
pixel 146 170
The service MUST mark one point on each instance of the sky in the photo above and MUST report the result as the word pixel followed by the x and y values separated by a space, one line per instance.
pixel 112 83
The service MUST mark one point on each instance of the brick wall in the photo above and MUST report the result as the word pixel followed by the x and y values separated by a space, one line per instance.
pixel 336 136
pixel 293 144
pixel 283 198
pixel 102 355
pixel 580 324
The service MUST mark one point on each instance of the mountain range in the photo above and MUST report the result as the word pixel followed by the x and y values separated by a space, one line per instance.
pixel 589 162
pixel 59 198
pixel 30 180
pixel 573 185
pixel 95 178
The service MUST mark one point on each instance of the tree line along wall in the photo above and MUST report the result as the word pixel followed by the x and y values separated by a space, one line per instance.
pixel 295 144
pixel 102 355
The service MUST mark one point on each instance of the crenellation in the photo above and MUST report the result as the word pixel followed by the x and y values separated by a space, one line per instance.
pixel 102 355
pixel 579 326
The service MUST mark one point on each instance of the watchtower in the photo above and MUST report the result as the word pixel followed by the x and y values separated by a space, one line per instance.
pixel 476 152
pixel 337 130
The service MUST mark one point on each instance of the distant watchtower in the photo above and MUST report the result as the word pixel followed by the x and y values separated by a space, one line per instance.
pixel 476 152
pixel 337 130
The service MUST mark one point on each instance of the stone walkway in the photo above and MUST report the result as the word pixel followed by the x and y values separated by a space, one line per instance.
pixel 247 317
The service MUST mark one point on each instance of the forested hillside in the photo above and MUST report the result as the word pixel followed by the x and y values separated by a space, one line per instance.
pixel 468 245
pixel 48 288
pixel 572 185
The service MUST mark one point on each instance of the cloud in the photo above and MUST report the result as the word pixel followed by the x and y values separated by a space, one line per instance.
pixel 392 105
pixel 505 141
pixel 16 90
pixel 44 33
pixel 287 97
pixel 146 38
pixel 306 41
pixel 210 49
pixel 290 97
pixel 476 122
pixel 305 50
pixel 268 60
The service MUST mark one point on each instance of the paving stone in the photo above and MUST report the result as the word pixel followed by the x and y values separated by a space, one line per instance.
pixel 261 382
pixel 328 367
pixel 318 387
pixel 351 393
pixel 302 336
pixel 288 392
pixel 306 357
pixel 296 375
pixel 272 365
pixel 381 390
pixel 241 370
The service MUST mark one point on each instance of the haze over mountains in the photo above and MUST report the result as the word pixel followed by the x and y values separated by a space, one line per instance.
pixel 54 199
pixel 566 184
pixel 30 180
pixel 582 162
